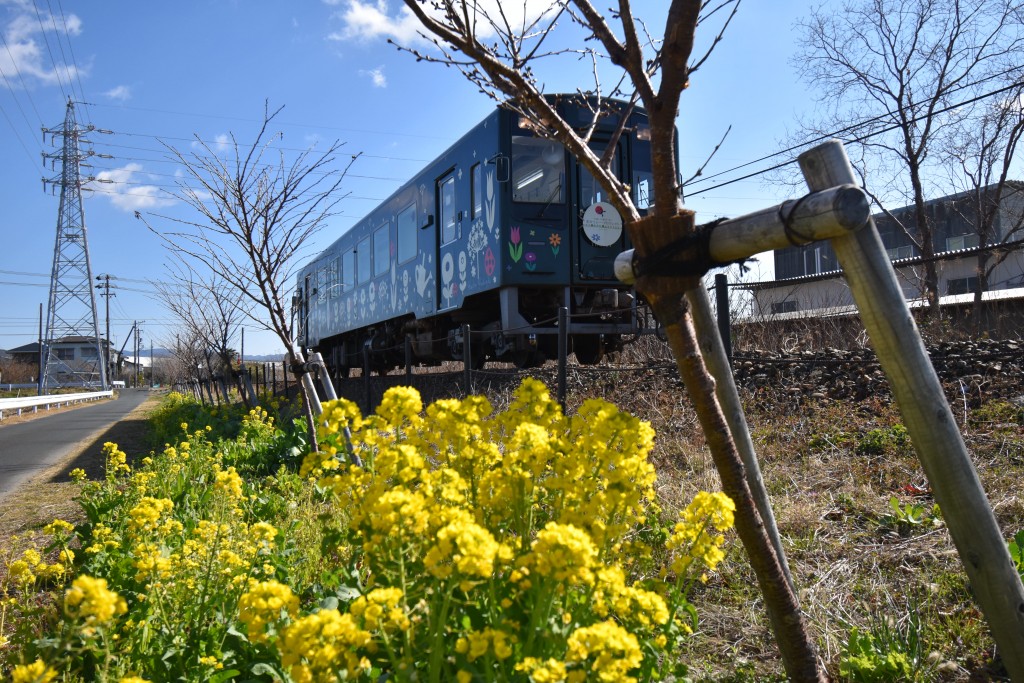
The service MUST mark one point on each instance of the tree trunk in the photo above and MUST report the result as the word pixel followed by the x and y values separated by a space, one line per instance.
pixel 295 356
pixel 666 297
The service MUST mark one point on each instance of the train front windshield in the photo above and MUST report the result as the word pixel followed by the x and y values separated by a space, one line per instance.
pixel 538 171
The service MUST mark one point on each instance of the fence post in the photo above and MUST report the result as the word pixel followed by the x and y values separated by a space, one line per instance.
pixel 722 310
pixel 467 359
pixel 366 379
pixel 408 359
pixel 563 353
pixel 928 418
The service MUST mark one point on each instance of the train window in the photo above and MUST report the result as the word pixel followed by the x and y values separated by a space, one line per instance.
pixel 643 189
pixel 382 249
pixel 335 280
pixel 591 191
pixel 538 170
pixel 364 261
pixel 407 234
pixel 322 283
pixel 476 188
pixel 348 269
pixel 447 210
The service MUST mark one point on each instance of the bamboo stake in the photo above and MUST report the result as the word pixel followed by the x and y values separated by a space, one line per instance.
pixel 928 418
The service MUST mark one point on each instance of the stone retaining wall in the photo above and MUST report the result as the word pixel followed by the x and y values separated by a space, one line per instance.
pixel 980 369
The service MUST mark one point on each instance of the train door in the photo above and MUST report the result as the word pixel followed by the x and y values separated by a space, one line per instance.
pixel 600 236
pixel 447 233
pixel 304 331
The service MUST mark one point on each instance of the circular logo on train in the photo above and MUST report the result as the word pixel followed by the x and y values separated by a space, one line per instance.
pixel 602 224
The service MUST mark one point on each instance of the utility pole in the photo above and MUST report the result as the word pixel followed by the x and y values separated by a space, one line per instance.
pixel 107 293
pixel 71 315
pixel 138 350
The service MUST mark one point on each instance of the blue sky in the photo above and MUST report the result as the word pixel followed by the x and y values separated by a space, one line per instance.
pixel 155 73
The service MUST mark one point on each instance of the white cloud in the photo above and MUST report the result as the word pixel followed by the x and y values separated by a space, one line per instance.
pixel 25 56
pixel 121 92
pixel 222 142
pixel 376 76
pixel 127 193
pixel 372 19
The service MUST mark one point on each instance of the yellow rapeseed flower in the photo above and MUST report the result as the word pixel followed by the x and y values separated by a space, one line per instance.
pixel 91 600
pixel 36 672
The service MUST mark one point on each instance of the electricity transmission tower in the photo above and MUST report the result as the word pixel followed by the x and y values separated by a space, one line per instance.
pixel 73 349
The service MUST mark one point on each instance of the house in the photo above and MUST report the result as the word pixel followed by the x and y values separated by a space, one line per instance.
pixel 77 357
pixel 808 279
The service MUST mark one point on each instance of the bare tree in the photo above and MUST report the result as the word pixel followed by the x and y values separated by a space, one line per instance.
pixel 257 210
pixel 502 54
pixel 891 70
pixel 211 313
pixel 978 152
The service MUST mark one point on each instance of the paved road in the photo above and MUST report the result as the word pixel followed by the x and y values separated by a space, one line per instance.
pixel 31 447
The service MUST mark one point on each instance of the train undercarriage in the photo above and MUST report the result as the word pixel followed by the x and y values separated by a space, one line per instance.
pixel 526 333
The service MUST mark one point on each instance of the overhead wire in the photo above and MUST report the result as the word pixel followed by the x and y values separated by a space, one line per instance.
pixel 49 50
pixel 847 129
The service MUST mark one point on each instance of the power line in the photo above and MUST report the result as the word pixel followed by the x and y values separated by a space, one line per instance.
pixel 49 50
pixel 361 131
pixel 836 134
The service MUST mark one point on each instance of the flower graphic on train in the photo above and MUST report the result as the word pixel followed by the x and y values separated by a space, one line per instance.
pixel 555 240
pixel 531 260
pixel 515 246
pixel 489 262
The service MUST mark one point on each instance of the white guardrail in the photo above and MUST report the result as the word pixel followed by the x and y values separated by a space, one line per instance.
pixel 8 405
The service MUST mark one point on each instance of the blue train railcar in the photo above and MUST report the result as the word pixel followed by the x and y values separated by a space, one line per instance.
pixel 498 232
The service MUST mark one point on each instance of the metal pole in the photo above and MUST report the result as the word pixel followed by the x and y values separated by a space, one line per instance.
pixel 408 359
pixel 325 378
pixel 366 379
pixel 722 310
pixel 563 353
pixel 467 360
pixel 928 418
pixel 39 391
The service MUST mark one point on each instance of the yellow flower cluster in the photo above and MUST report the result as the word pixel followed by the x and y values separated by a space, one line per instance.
pixel 519 515
pixel 264 604
pixel 116 459
pixel 36 672
pixel 381 610
pixel 608 652
pixel 564 553
pixel 324 646
pixel 228 482
pixel 476 644
pixel 30 567
pixel 150 515
pixel 692 536
pixel 89 599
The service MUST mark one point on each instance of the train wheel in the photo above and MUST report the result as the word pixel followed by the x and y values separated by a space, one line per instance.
pixel 589 349
pixel 527 359
pixel 477 359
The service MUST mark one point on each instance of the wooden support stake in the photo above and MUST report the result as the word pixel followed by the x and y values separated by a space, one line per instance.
pixel 324 375
pixel 927 416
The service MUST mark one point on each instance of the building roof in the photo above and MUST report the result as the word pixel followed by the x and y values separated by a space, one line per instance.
pixel 1013 294
pixel 896 263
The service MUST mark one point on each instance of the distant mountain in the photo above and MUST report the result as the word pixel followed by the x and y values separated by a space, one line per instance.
pixel 167 353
